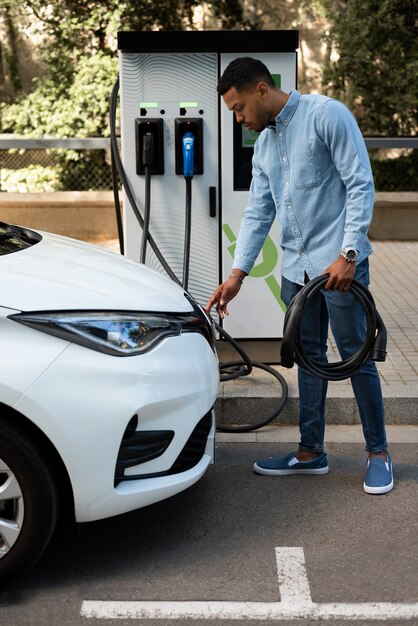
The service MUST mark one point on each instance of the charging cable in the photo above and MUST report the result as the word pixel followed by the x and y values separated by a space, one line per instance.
pixel 147 160
pixel 115 187
pixel 236 369
pixel 118 165
pixel 291 349
pixel 188 171
pixel 231 369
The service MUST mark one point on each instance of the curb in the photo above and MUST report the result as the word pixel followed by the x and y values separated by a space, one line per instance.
pixel 400 410
pixel 333 434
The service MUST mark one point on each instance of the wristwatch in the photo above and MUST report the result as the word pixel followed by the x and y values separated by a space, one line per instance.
pixel 349 254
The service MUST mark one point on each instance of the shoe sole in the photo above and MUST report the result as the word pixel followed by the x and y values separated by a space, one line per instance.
pixel 287 472
pixel 378 490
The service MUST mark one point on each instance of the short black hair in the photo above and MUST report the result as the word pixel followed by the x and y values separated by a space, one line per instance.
pixel 243 73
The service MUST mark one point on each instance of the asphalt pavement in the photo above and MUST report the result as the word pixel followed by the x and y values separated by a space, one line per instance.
pixel 220 546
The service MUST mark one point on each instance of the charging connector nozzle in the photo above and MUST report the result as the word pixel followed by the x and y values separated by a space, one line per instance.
pixel 148 149
pixel 188 155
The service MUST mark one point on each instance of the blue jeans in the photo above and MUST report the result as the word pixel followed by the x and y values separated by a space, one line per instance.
pixel 348 326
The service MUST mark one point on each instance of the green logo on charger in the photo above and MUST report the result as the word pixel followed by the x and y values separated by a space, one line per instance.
pixel 265 268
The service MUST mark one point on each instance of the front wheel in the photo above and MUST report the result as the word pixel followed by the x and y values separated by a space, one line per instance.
pixel 28 501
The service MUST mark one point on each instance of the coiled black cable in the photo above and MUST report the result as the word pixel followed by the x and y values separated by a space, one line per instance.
pixel 236 369
pixel 292 350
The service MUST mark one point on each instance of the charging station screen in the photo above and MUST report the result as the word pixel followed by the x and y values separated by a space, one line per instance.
pixel 244 141
pixel 249 137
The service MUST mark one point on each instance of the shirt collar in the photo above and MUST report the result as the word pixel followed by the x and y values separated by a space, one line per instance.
pixel 289 108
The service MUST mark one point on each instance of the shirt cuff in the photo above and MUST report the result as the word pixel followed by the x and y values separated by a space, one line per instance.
pixel 358 242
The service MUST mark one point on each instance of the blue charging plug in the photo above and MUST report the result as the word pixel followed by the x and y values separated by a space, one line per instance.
pixel 188 155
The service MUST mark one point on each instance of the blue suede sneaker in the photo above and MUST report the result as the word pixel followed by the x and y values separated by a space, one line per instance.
pixel 289 464
pixel 379 476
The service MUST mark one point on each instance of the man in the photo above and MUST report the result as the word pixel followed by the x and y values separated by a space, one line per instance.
pixel 311 169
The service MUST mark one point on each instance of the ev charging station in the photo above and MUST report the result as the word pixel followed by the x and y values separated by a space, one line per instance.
pixel 168 88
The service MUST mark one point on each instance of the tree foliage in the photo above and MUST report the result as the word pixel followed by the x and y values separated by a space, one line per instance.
pixel 375 70
pixel 9 53
pixel 70 98
pixel 80 64
pixel 376 73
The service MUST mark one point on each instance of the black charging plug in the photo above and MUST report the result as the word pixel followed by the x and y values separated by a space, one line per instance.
pixel 149 138
pixel 148 149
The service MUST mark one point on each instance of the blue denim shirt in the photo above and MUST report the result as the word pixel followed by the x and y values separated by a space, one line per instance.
pixel 312 170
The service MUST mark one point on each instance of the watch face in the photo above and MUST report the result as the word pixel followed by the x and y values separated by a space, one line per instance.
pixel 350 255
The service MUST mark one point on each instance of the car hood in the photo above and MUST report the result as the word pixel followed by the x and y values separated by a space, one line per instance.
pixel 59 273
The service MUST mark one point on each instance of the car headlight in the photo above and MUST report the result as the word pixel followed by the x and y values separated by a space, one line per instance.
pixel 118 333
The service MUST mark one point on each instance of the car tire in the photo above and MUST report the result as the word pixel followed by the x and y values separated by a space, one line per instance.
pixel 28 501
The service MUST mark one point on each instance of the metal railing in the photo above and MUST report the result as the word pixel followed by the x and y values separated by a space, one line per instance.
pixel 8 142
pixel 52 164
pixel 391 142
pixel 77 164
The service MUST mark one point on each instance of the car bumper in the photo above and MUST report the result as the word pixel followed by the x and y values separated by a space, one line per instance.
pixel 85 399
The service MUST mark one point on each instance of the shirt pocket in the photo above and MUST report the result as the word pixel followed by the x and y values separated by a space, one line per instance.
pixel 306 172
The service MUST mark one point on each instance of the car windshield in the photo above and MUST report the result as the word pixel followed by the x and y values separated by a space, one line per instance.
pixel 14 238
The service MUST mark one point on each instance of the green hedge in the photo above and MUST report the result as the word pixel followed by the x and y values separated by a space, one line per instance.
pixel 399 174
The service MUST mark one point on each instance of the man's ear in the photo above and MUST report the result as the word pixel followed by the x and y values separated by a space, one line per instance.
pixel 262 90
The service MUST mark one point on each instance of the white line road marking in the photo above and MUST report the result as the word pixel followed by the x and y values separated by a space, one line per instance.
pixel 296 603
pixel 293 579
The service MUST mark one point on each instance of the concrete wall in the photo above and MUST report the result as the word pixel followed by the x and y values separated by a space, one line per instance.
pixel 91 215
pixel 395 216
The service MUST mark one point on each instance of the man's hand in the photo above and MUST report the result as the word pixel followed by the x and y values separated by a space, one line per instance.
pixel 341 273
pixel 224 294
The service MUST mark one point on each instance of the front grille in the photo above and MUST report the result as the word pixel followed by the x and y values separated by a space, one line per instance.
pixel 190 455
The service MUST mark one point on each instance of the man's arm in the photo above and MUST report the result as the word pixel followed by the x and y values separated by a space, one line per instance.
pixel 255 225
pixel 339 130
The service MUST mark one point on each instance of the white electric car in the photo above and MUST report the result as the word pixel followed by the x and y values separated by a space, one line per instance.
pixel 108 377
